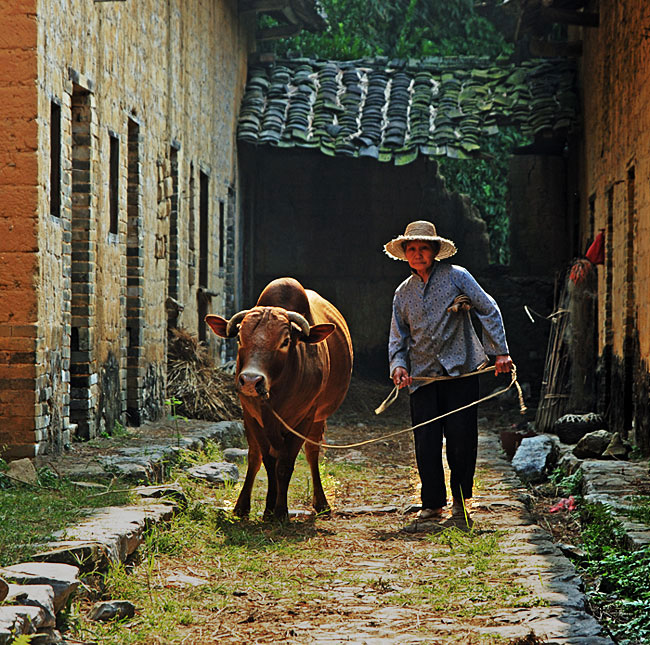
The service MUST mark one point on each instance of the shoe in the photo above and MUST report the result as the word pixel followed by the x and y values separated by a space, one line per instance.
pixel 430 514
pixel 457 508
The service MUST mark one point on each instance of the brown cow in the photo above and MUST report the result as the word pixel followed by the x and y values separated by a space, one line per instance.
pixel 295 357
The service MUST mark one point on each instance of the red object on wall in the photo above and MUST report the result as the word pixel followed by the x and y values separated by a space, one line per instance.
pixel 596 252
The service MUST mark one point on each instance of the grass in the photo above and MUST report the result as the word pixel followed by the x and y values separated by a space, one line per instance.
pixel 30 514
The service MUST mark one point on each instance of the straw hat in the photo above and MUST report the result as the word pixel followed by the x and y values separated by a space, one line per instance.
pixel 420 230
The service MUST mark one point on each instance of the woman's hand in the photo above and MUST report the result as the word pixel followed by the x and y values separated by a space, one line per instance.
pixel 502 364
pixel 401 377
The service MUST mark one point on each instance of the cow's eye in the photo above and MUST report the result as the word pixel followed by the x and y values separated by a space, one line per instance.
pixel 285 343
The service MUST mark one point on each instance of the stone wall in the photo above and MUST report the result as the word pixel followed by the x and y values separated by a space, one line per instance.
pixel 137 104
pixel 615 198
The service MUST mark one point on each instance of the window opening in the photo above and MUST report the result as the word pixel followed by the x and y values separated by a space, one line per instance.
pixel 55 159
pixel 203 252
pixel 114 183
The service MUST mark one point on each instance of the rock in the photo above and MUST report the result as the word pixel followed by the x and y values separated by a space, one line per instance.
pixel 572 551
pixel 216 472
pixel 616 448
pixel 41 596
pixel 567 461
pixel 235 455
pixel 112 610
pixel 570 428
pixel 61 577
pixel 351 456
pixel 183 580
pixel 367 510
pixel 534 458
pixel 18 620
pixel 593 444
pixel 162 491
pixel 23 471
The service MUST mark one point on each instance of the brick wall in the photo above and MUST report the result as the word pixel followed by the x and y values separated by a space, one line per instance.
pixel 615 163
pixel 20 345
pixel 143 91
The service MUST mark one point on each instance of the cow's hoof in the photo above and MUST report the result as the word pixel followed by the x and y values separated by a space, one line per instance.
pixel 241 512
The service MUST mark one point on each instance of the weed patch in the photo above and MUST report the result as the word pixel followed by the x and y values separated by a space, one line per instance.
pixel 618 576
pixel 29 515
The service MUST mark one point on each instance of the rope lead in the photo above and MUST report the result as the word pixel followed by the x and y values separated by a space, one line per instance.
pixel 513 382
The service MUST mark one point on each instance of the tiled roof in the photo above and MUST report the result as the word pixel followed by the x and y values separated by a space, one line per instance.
pixel 393 111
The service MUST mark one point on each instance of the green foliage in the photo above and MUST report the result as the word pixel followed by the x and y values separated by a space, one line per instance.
pixel 485 181
pixel 623 589
pixel 48 478
pixel 601 532
pixel 23 639
pixel 567 484
pixel 4 481
pixel 120 431
pixel 641 509
pixel 397 29
pixel 620 576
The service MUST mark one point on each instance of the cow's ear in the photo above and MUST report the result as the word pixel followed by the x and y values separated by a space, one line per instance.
pixel 318 333
pixel 217 325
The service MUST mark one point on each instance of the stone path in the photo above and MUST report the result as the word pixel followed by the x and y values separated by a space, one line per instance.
pixel 560 618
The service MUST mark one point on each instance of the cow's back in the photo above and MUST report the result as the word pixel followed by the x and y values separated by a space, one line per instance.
pixel 291 295
pixel 339 345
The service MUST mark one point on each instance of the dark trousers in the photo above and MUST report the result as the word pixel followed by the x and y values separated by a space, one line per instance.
pixel 460 431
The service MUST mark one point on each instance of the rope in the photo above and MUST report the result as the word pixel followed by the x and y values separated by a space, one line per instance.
pixel 392 397
pixel 513 382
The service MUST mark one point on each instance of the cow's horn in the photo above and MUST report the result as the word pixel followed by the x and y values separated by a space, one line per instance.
pixel 300 320
pixel 233 324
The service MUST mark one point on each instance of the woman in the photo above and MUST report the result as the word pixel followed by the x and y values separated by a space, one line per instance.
pixel 428 338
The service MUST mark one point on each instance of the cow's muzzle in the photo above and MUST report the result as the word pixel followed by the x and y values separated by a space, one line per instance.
pixel 252 384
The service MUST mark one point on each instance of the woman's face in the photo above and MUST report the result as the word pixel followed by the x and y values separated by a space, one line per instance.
pixel 420 255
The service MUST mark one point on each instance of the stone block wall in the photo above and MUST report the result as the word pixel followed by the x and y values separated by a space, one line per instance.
pixel 615 198
pixel 131 100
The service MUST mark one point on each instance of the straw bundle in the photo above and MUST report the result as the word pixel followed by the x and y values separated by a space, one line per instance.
pixel 205 391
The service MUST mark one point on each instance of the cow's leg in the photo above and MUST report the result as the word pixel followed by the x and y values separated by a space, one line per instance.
pixel 243 504
pixel 284 469
pixel 270 464
pixel 311 453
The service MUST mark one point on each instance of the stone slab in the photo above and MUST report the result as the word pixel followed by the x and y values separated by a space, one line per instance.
pixel 41 596
pixel 107 536
pixel 18 620
pixel 63 578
